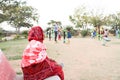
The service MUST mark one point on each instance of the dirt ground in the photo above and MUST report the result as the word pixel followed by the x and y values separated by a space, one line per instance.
pixel 85 58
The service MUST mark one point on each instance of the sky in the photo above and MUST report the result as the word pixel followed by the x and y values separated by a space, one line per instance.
pixel 60 10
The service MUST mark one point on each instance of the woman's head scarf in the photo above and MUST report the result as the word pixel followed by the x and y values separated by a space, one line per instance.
pixel 36 33
pixel 35 52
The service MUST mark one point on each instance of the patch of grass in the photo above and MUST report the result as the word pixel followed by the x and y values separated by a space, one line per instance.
pixel 15 57
pixel 3 49
pixel 13 49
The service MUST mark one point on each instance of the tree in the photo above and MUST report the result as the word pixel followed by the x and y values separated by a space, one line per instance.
pixel 52 22
pixel 4 7
pixel 113 20
pixel 2 18
pixel 18 14
pixel 80 18
pixel 1 30
pixel 23 17
pixel 116 20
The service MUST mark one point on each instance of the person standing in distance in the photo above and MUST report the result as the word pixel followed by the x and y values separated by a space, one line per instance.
pixel 56 31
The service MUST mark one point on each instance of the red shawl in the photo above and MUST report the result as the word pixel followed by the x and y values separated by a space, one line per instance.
pixel 35 52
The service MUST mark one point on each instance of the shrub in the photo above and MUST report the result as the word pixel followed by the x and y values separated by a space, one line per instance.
pixel 17 37
pixel 84 33
pixel 112 31
pixel 25 33
pixel 75 32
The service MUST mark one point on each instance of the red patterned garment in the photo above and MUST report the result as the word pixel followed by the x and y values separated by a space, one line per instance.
pixel 6 71
pixel 34 53
pixel 35 63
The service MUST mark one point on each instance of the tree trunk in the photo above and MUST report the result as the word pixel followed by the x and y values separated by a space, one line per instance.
pixel 18 30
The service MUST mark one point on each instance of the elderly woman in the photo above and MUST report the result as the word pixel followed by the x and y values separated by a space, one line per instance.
pixel 35 63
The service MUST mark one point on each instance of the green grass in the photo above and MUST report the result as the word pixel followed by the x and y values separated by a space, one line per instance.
pixel 13 50
pixel 17 57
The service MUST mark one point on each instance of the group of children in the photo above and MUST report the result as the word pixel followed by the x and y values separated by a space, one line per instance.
pixel 102 34
pixel 65 34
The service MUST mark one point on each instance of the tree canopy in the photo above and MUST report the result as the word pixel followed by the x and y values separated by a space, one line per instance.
pixel 17 13
pixel 82 17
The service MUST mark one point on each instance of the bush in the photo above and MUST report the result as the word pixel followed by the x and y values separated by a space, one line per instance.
pixel 112 31
pixel 25 33
pixel 75 32
pixel 17 37
pixel 84 33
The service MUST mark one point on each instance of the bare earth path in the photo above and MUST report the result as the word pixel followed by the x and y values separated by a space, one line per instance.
pixel 87 59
